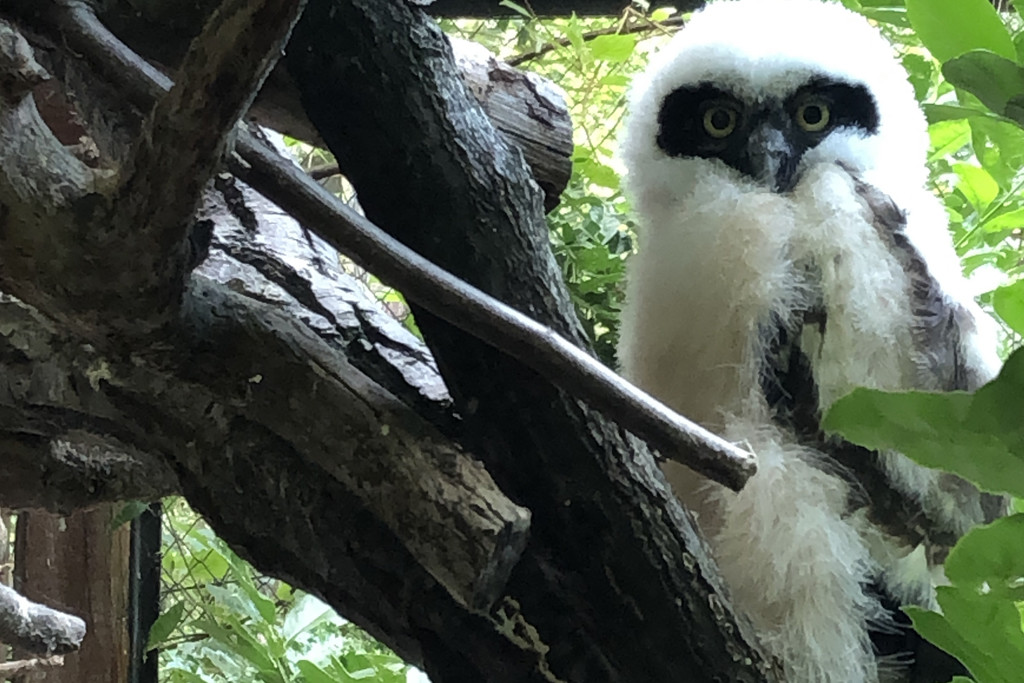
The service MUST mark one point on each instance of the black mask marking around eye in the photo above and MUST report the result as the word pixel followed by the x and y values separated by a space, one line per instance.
pixel 691 124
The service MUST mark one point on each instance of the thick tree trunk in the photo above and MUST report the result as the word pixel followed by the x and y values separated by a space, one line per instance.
pixel 607 534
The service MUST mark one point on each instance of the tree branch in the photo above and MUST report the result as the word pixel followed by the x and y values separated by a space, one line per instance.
pixel 77 469
pixel 465 306
pixel 36 628
pixel 181 145
pixel 484 9
pixel 21 667
pixel 504 328
pixel 641 24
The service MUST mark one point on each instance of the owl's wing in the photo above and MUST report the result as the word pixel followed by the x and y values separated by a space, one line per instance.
pixel 935 515
pixel 945 330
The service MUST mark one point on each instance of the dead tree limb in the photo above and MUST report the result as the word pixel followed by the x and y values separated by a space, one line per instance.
pixel 181 145
pixel 36 628
pixel 20 667
pixel 77 469
pixel 446 296
pixel 230 360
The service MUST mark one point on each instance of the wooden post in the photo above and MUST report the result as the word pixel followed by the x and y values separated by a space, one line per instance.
pixel 80 565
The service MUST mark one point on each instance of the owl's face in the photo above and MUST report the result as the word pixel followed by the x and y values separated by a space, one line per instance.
pixel 756 92
pixel 763 138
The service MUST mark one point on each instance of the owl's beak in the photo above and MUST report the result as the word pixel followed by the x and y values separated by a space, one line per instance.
pixel 771 158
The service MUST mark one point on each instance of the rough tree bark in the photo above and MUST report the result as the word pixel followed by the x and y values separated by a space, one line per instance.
pixel 314 435
pixel 530 111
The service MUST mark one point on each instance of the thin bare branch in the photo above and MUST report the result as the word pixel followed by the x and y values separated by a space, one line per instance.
pixel 488 319
pixel 644 25
pixel 20 667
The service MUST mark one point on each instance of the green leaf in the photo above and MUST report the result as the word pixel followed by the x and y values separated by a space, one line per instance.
pixel 990 559
pixel 314 674
pixel 920 70
pixel 993 79
pixel 613 48
pixel 164 625
pixel 977 185
pixel 948 137
pixel 307 612
pixel 978 436
pixel 949 28
pixel 1008 302
pixel 936 628
pixel 1009 220
pixel 982 631
pixel 951 112
pixel 128 512
pixel 600 174
pixel 516 7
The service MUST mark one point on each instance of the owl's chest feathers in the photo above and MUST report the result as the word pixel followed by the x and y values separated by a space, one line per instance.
pixel 764 275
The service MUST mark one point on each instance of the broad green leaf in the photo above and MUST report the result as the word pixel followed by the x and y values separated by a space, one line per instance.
pixel 613 48
pixel 1010 220
pixel 949 28
pixel 888 15
pixel 990 559
pixel 979 436
pixel 1008 302
pixel 991 627
pixel 993 79
pixel 1015 109
pixel 600 174
pixel 936 628
pixel 950 112
pixel 314 674
pixel 948 137
pixel 164 625
pixel 999 146
pixel 977 185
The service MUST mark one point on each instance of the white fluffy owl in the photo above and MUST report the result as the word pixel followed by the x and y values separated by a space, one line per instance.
pixel 789 252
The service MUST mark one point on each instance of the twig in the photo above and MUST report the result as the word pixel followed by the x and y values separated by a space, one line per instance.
pixel 486 318
pixel 618 29
pixel 21 667
pixel 323 171
pixel 449 298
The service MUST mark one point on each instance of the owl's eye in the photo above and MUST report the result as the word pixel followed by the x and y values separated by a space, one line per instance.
pixel 719 121
pixel 812 116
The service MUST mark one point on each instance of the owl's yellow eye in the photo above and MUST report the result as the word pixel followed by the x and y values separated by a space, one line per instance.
pixel 719 121
pixel 812 116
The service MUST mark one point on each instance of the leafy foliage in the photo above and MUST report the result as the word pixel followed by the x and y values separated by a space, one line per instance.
pixel 975 103
pixel 223 622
